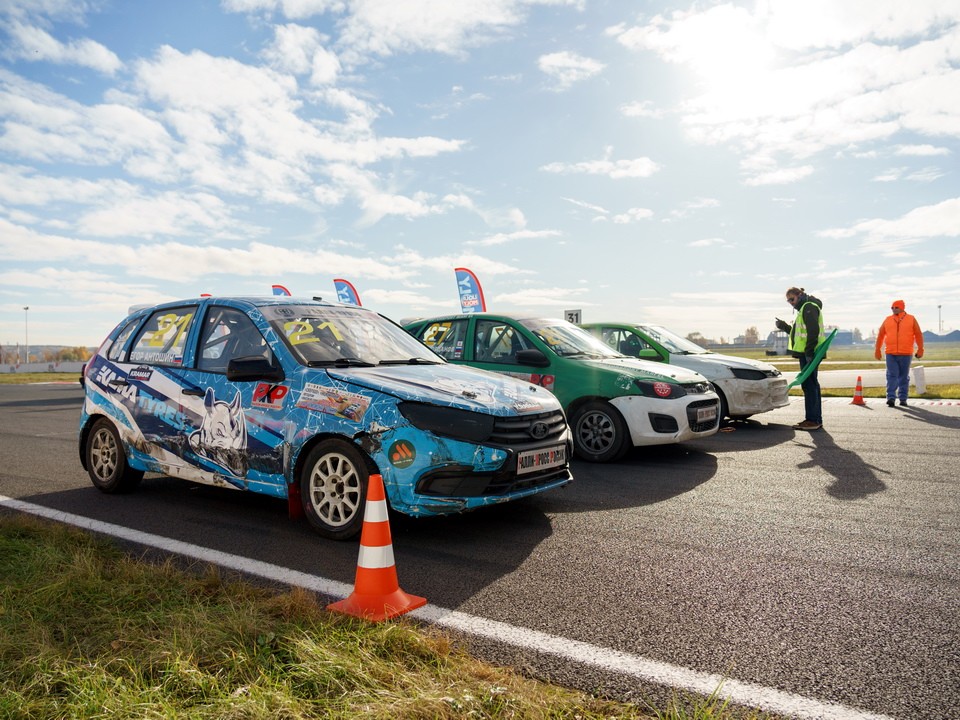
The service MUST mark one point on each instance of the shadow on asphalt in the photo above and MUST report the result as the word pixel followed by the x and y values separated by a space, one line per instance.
pixel 743 435
pixel 853 479
pixel 931 418
pixel 476 548
pixel 645 476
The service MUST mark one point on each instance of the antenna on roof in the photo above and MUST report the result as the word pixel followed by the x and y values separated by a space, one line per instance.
pixel 317 298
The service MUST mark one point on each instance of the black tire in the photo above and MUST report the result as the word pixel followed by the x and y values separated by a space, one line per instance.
pixel 600 433
pixel 106 461
pixel 724 406
pixel 333 489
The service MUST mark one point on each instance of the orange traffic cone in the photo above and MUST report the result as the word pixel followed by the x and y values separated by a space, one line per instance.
pixel 376 593
pixel 858 393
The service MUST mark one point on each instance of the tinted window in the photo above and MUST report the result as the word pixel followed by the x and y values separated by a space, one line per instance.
pixel 498 342
pixel 446 338
pixel 625 341
pixel 163 337
pixel 115 352
pixel 226 334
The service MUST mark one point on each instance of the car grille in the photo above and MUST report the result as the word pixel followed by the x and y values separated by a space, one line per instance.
pixel 514 431
pixel 692 415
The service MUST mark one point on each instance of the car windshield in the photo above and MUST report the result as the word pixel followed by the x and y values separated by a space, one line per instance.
pixel 567 340
pixel 320 335
pixel 672 342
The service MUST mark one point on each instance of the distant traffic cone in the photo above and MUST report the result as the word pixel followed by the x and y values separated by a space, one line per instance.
pixel 376 593
pixel 858 393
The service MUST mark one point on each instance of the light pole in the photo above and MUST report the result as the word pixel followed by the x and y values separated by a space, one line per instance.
pixel 26 333
pixel 939 321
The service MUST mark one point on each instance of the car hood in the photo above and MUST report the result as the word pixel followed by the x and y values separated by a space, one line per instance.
pixel 452 386
pixel 646 370
pixel 713 364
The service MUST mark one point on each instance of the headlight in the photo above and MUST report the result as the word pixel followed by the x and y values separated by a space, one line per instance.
pixel 449 422
pixel 698 388
pixel 749 374
pixel 660 389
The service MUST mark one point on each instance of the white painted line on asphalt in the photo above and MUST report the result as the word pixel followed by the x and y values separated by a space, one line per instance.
pixel 749 694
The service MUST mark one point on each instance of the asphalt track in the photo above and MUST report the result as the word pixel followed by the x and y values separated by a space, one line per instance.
pixel 817 572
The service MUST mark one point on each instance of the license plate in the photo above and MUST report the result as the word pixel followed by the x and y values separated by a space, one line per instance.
pixel 543 459
pixel 706 414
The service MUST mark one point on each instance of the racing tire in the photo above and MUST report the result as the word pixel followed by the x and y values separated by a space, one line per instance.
pixel 599 433
pixel 106 460
pixel 724 405
pixel 333 489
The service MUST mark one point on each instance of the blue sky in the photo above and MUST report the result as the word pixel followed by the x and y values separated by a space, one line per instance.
pixel 671 162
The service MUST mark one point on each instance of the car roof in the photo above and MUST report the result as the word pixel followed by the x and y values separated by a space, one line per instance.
pixel 247 300
pixel 483 316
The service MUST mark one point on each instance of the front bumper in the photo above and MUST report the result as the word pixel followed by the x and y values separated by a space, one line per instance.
pixel 652 421
pixel 749 397
pixel 449 476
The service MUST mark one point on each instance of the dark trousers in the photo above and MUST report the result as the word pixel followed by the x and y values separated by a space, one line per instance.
pixel 811 394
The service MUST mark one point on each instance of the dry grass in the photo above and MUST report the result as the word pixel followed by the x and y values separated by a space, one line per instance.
pixel 88 632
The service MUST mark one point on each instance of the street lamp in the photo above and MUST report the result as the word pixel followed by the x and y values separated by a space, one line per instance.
pixel 26 333
pixel 939 321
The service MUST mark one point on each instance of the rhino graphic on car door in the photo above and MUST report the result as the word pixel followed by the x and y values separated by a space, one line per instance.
pixel 222 437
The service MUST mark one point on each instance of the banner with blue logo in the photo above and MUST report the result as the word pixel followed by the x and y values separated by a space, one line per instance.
pixel 471 294
pixel 280 290
pixel 346 292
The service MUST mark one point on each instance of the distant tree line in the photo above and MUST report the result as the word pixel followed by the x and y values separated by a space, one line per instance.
pixel 751 336
pixel 13 356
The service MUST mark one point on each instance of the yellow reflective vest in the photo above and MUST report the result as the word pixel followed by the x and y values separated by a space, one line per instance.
pixel 797 342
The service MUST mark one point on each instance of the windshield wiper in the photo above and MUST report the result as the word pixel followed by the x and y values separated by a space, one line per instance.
pixel 340 363
pixel 410 361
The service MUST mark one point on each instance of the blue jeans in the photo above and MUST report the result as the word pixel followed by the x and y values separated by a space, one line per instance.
pixel 811 394
pixel 898 376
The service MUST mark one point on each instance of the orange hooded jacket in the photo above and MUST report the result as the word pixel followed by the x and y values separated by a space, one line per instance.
pixel 900 331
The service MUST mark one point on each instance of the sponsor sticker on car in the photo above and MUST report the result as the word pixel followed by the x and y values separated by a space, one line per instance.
pixel 541 459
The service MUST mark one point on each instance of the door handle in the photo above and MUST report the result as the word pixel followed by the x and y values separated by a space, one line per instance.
pixel 196 392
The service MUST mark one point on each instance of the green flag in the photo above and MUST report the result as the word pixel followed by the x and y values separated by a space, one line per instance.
pixel 815 363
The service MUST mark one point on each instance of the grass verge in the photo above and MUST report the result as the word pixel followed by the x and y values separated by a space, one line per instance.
pixel 88 632
pixel 934 392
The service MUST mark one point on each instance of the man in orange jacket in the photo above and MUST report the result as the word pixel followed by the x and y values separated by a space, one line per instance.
pixel 900 331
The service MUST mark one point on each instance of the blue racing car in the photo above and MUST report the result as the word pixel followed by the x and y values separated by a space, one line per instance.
pixel 303 399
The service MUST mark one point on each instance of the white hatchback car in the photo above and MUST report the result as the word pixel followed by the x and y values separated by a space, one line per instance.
pixel 746 387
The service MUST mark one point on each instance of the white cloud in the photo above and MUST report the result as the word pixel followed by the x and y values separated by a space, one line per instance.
pixel 179 262
pixel 615 169
pixel 294 9
pixel 632 215
pixel 889 175
pixel 299 50
pixel 503 238
pixel 567 68
pixel 33 43
pixel 555 298
pixel 780 83
pixel 780 176
pixel 643 108
pixel 709 242
pixel 587 206
pixel 941 220
pixel 920 150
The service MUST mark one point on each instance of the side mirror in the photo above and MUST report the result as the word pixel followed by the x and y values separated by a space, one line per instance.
pixel 254 367
pixel 532 357
pixel 650 354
